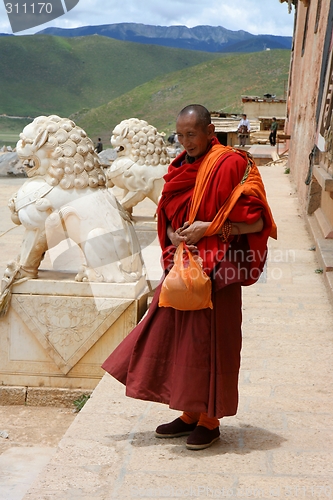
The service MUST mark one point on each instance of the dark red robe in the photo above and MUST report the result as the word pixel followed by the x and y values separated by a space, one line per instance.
pixel 190 360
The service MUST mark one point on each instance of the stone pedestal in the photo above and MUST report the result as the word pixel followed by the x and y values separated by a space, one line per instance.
pixel 146 231
pixel 58 332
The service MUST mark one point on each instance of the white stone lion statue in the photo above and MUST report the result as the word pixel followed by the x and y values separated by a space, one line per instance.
pixel 66 197
pixel 142 161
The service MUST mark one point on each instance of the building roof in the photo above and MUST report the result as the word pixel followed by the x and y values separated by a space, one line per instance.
pixel 230 124
pixel 249 98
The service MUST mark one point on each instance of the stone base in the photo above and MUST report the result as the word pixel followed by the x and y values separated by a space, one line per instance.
pixel 58 332
pixel 13 396
pixel 262 154
pixel 40 396
pixel 324 251
pixel 324 224
pixel 146 231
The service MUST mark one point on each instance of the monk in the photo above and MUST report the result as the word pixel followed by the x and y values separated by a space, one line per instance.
pixel 188 359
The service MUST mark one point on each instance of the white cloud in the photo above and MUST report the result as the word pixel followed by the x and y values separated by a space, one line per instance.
pixel 255 16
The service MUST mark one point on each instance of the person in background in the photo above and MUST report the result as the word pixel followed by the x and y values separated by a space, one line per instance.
pixel 99 146
pixel 171 138
pixel 273 131
pixel 243 130
pixel 177 145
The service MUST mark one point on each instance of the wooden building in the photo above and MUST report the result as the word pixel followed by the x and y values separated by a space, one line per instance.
pixel 310 121
pixel 265 108
pixel 226 127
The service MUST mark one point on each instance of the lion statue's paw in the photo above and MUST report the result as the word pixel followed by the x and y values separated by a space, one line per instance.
pixel 43 204
pixel 87 274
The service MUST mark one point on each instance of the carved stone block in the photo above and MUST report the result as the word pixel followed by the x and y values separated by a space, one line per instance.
pixel 56 339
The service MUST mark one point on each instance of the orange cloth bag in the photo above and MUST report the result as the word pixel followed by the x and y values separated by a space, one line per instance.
pixel 187 287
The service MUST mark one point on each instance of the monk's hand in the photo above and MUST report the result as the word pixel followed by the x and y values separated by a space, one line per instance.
pixel 192 233
pixel 175 237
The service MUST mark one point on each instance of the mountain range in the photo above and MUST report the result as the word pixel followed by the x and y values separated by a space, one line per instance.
pixel 203 38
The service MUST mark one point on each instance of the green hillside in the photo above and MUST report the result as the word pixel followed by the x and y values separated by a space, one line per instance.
pixel 10 129
pixel 217 84
pixel 43 74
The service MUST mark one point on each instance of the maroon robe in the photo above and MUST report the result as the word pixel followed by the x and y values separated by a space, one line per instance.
pixel 190 360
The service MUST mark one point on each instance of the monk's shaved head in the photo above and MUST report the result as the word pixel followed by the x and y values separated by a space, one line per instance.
pixel 195 130
pixel 200 112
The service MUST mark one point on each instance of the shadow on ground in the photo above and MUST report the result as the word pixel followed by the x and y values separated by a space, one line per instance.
pixel 240 440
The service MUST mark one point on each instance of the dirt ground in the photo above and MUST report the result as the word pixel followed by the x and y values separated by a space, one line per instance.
pixel 33 425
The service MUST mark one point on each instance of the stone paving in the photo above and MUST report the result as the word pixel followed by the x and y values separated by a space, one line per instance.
pixel 279 445
pixel 33 435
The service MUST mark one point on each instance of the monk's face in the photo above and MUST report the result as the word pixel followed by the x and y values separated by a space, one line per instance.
pixel 193 136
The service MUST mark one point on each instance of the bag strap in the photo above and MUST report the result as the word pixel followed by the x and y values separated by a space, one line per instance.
pixel 252 175
pixel 250 184
pixel 204 173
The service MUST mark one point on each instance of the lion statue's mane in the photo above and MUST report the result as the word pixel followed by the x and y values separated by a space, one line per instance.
pixel 141 142
pixel 72 162
pixel 142 161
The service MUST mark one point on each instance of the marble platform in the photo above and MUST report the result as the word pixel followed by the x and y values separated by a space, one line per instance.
pixel 58 332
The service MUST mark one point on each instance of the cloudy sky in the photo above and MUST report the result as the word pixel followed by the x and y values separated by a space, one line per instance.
pixel 254 16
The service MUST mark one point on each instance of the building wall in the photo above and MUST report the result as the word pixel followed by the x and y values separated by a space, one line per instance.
pixel 304 87
pixel 310 124
pixel 255 109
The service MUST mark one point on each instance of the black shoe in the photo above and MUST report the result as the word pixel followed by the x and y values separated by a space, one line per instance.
pixel 202 438
pixel 176 428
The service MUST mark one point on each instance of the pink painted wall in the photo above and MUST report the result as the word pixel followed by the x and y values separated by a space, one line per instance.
pixel 303 91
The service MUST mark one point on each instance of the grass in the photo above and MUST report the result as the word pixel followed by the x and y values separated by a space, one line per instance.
pixel 9 138
pixel 10 129
pixel 43 74
pixel 217 84
pixel 80 402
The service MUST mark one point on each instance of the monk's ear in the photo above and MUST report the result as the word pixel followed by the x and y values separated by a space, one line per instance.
pixel 211 129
